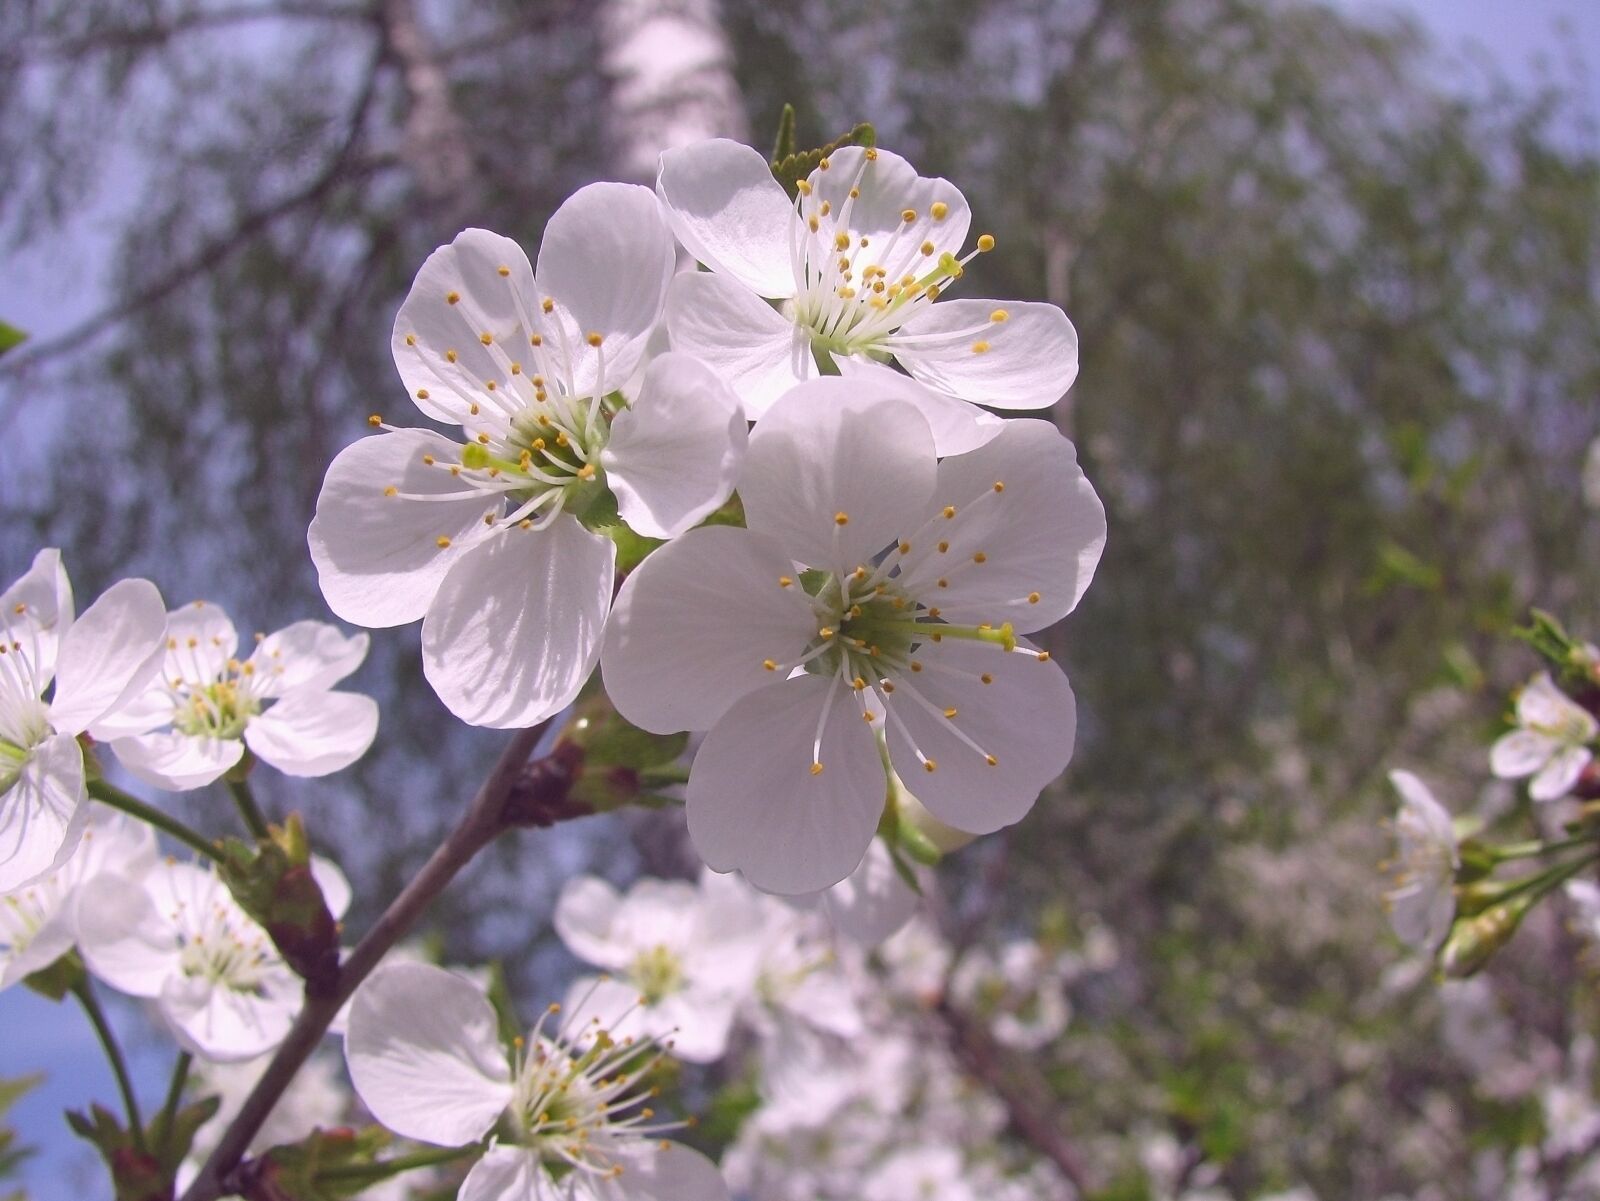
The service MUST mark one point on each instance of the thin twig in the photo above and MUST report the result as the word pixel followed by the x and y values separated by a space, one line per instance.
pixel 84 991
pixel 484 819
pixel 109 794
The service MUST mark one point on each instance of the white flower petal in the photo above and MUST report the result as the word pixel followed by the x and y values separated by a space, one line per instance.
pixel 226 1025
pixel 1542 704
pixel 1560 774
pixel 888 187
pixel 836 471
pixel 333 884
pixel 308 654
pixel 177 762
pixel 730 213
pixel 48 943
pixel 109 654
pixel 1026 718
pixel 673 456
pixel 755 804
pixel 510 1173
pixel 150 710
pixel 872 903
pixel 655 1172
pixel 1040 535
pixel 606 258
pixel 755 348
pixel 424 1054
pixel 695 623
pixel 1030 360
pixel 515 628
pixel 957 425
pixel 313 733
pixel 1520 753
pixel 378 557
pixel 45 594
pixel 460 295
pixel 584 916
pixel 43 813
pixel 124 939
pixel 201 639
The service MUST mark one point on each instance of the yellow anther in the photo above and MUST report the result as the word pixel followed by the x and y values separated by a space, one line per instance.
pixel 943 546
pixel 548 305
pixel 1043 656
pixel 375 420
pixel 929 765
pixel 428 460
pixel 450 356
pixel 486 338
pixel 858 684
pixel 991 761
pixel 390 490
pixel 905 548
pixel 536 339
pixel 516 368
pixel 812 223
pixel 949 511
pixel 985 243
pixel 473 408
pixel 586 472
pixel 488 519
pixel 936 637
pixel 980 348
pixel 785 582
pixel 562 440
pixel 841 518
pixel 483 439
pixel 1033 598
pixel 855 611
pixel 932 292
pixel 411 339
pixel 999 315
pixel 816 769
pixel 915 666
pixel 927 248
pixel 908 215
pixel 825 632
pixel 860 573
pixel 525 524
pixel 855 193
pixel 999 485
pixel 887 686
pixel 980 557
pixel 826 208
pixel 805 188
pixel 769 664
pixel 943 583
pixel 490 384
pixel 867 715
pixel 441 542
pixel 824 165
pixel 452 297
pixel 871 153
pixel 594 339
pixel 422 394
pixel 841 241
pixel 940 210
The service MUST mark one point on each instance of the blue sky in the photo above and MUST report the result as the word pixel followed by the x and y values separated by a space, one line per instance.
pixel 1524 38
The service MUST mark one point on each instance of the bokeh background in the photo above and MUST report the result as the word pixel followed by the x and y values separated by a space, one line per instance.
pixel 1334 270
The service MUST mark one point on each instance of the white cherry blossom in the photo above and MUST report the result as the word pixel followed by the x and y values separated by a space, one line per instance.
pixel 480 536
pixel 179 938
pixel 1019 991
pixel 573 1121
pixel 874 586
pixel 682 958
pixel 1552 741
pixel 206 705
pixel 1422 901
pixel 38 920
pixel 96 663
pixel 854 264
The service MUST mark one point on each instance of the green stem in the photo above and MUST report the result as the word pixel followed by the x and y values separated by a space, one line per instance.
pixel 1531 850
pixel 384 1169
pixel 1549 879
pixel 84 991
pixel 109 794
pixel 169 1109
pixel 255 821
pixel 663 773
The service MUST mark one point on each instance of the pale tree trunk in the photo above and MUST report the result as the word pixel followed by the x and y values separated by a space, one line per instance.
pixel 672 72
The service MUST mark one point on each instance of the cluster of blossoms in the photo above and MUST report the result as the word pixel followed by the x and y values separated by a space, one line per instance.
pixel 764 501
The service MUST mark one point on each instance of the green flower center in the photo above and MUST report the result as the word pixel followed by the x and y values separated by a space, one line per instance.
pixel 219 710
pixel 657 973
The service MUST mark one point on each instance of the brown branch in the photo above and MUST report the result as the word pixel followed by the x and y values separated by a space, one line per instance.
pixel 485 818
pixel 1029 1105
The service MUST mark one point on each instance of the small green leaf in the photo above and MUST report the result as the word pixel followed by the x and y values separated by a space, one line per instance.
pixel 783 147
pixel 10 337
pixel 790 169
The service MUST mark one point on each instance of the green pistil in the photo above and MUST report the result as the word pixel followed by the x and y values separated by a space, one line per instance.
pixel 218 710
pixel 658 973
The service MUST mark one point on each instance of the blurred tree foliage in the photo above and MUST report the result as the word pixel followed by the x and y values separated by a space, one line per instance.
pixel 1340 362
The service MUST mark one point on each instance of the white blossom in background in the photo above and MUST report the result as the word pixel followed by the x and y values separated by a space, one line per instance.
pixel 571 1122
pixel 96 663
pixel 1591 475
pixel 873 902
pixel 916 961
pixel 1551 742
pixel 1021 992
pixel 850 270
pixel 1421 901
pixel 1584 898
pixel 38 921
pixel 179 938
pixel 920 1172
pixel 478 536
pixel 874 586
pixel 681 958
pixel 206 705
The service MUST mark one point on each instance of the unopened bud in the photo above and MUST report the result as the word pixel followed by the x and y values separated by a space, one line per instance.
pixel 1474 940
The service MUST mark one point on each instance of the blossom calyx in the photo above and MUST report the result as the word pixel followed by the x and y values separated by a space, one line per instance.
pixel 274 883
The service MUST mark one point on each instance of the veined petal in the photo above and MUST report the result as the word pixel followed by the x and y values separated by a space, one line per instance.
pixel 673 456
pixel 695 625
pixel 1028 360
pixel 150 710
pixel 124 940
pixel 108 655
pixel 605 260
pixel 45 596
pixel 309 655
pixel 836 471
pixel 957 425
pixel 510 1173
pixel 771 815
pixel 1541 704
pixel 226 1025
pixel 201 639
pixel 43 813
pixel 1025 718
pixel 515 628
pixel 872 902
pixel 1560 774
pixel 889 187
pixel 1023 504
pixel 584 916
pixel 378 557
pixel 424 1054
pixel 755 348
pixel 730 213
pixel 1520 753
pixel 654 1171
pixel 314 733
pixel 175 761
pixel 479 285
